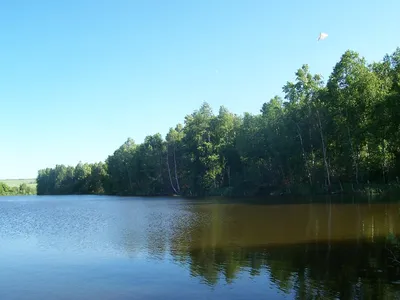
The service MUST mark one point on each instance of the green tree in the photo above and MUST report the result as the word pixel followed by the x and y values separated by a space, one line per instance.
pixel 319 138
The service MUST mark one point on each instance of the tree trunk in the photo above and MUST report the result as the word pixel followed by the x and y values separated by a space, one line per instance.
pixel 354 155
pixel 161 172
pixel 129 177
pixel 355 164
pixel 229 175
pixel 176 173
pixel 304 154
pixel 384 163
pixel 328 177
pixel 169 172
pixel 310 137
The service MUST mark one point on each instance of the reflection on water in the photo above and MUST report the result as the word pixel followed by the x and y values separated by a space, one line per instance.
pixel 123 248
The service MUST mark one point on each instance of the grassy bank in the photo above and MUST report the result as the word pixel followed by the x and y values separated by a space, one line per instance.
pixel 17 187
pixel 31 182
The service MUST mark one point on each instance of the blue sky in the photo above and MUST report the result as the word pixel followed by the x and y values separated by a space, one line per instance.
pixel 78 77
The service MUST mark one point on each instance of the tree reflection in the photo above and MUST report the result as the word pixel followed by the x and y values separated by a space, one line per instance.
pixel 353 271
pixel 320 264
pixel 324 251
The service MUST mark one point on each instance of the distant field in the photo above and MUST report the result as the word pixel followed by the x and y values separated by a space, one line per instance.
pixel 17 182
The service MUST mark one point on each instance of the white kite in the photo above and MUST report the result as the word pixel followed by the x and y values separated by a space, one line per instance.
pixel 322 36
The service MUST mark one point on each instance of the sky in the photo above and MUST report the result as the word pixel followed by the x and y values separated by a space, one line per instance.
pixel 78 77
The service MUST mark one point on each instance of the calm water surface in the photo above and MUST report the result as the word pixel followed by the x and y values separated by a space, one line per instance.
pixel 97 247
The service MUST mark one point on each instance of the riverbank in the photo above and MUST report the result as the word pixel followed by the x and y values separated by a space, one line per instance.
pixel 293 194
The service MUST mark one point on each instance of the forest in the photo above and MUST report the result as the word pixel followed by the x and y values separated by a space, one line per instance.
pixel 337 136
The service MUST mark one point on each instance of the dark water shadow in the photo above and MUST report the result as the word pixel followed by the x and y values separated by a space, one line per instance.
pixel 344 270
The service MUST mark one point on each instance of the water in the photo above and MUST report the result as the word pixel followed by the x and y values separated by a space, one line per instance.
pixel 97 247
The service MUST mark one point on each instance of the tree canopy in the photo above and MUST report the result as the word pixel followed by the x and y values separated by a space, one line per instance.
pixel 321 137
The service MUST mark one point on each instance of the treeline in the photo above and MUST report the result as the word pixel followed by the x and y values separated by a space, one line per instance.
pixel 322 137
pixel 82 179
pixel 22 189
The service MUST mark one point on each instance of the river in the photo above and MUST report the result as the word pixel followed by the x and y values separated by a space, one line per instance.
pixel 100 247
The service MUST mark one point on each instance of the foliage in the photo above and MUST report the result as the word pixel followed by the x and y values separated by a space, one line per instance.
pixel 318 139
pixel 22 189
